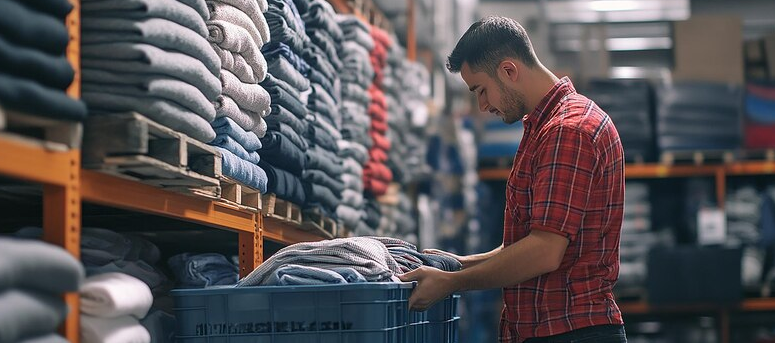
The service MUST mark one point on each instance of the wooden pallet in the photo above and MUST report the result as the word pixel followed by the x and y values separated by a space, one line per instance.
pixel 57 135
pixel 232 191
pixel 758 155
pixel 134 147
pixel 274 207
pixel 697 157
pixel 315 221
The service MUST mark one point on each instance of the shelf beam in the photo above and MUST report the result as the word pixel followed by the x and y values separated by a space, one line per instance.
pixel 286 233
pixel 30 160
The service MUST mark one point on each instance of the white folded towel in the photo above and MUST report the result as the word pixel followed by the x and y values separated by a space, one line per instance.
pixel 112 295
pixel 113 330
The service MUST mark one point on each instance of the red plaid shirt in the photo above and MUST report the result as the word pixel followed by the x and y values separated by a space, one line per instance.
pixel 567 178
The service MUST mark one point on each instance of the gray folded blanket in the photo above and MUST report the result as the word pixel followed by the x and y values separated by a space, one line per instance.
pixel 147 59
pixel 251 97
pixel 26 314
pixel 257 26
pixel 226 107
pixel 235 39
pixel 235 63
pixel 199 6
pixel 55 270
pixel 135 9
pixel 173 90
pixel 161 33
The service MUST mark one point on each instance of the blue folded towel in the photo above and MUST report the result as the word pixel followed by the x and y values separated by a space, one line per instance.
pixel 138 9
pixel 25 27
pixel 227 126
pixel 228 143
pixel 161 33
pixel 147 59
pixel 243 171
pixel 235 39
pixel 49 70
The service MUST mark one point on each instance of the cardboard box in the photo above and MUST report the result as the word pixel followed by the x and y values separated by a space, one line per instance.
pixel 709 48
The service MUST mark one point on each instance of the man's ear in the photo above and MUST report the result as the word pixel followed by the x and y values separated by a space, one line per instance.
pixel 508 71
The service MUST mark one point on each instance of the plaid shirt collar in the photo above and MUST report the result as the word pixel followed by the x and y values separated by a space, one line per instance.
pixel 555 95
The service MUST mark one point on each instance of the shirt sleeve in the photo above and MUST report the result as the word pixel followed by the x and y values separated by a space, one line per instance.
pixel 564 166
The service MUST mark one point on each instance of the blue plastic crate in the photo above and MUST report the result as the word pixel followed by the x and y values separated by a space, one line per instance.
pixel 443 320
pixel 444 310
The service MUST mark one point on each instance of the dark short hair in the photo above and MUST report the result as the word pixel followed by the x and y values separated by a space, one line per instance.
pixel 488 41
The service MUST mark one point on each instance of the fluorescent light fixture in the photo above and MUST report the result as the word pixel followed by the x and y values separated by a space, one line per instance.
pixel 613 5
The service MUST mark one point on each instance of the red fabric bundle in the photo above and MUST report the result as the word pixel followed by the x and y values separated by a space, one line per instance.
pixel 758 136
pixel 380 141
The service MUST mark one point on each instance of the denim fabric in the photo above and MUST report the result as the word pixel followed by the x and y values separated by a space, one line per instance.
pixel 598 333
pixel 27 314
pixel 373 213
pixel 137 58
pixel 28 28
pixel 57 8
pixel 321 15
pixel 320 177
pixel 55 270
pixel 317 60
pixel 284 184
pixel 327 45
pixel 327 124
pixel 282 153
pixel 141 9
pixel 161 33
pixel 202 270
pixel 256 26
pixel 227 126
pixel 271 81
pixel 291 135
pixel 30 97
pixel 49 70
pixel 281 115
pixel 293 274
pixel 225 107
pixel 274 50
pixel 315 77
pixel 235 39
pixel 284 70
pixel 251 97
pixel 327 161
pixel 354 150
pixel 228 143
pixel 243 171
pixel 169 89
pixel 285 100
pixel 281 32
pixel 320 196
pixel 322 138
pixel 406 256
pixel 289 13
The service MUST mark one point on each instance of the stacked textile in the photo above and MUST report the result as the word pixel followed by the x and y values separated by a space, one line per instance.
pixel 237 30
pixel 202 270
pixel 399 220
pixel 760 116
pixel 286 142
pixel 111 306
pixel 637 237
pixel 744 206
pixel 344 260
pixel 376 175
pixel 356 77
pixel 698 116
pixel 322 178
pixel 34 71
pixel 152 57
pixel 33 277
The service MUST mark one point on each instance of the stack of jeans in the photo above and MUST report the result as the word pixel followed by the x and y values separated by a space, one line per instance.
pixel 151 57
pixel 629 103
pixel 33 277
pixel 376 175
pixel 323 177
pixel 760 116
pixel 237 30
pixel 202 270
pixel 698 116
pixel 34 71
pixel 284 151
pixel 356 76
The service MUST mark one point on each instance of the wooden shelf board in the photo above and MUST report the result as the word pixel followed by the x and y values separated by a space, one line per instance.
pixel 287 233
pixel 30 160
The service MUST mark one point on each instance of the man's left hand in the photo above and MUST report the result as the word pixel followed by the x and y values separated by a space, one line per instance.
pixel 432 285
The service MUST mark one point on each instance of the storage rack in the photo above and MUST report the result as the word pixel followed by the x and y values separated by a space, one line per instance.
pixel 57 168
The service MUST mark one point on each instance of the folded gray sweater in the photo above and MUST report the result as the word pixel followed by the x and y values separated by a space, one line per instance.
pixel 147 59
pixel 226 107
pixel 160 33
pixel 199 6
pixel 26 314
pixel 236 39
pixel 55 270
pixel 257 26
pixel 135 9
pixel 235 63
pixel 251 97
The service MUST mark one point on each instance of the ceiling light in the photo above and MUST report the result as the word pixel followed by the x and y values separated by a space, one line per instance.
pixel 613 5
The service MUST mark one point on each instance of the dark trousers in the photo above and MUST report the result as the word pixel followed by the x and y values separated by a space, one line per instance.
pixel 592 334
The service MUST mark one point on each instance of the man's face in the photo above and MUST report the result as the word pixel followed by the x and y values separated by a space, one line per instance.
pixel 494 95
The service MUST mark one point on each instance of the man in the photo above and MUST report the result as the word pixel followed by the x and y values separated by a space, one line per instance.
pixel 564 199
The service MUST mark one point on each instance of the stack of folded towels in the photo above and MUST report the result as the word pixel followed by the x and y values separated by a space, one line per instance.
pixel 33 277
pixel 34 71
pixel 376 175
pixel 237 30
pixel 112 305
pixel 152 57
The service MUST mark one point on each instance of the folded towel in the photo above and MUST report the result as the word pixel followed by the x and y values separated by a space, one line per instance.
pixel 235 39
pixel 55 270
pixel 30 97
pixel 147 59
pixel 175 91
pixel 261 128
pixel 236 64
pixel 283 70
pixel 324 123
pixel 29 28
pixel 161 33
pixel 288 132
pixel 332 182
pixel 161 111
pixel 28 314
pixel 352 198
pixel 138 9
pixel 354 150
pixel 112 295
pixel 124 329
pixel 251 97
pixel 199 6
pixel 226 107
pixel 243 171
pixel 257 27
pixel 50 338
pixel 228 143
pixel 254 9
pixel 350 216
pixel 352 181
pixel 56 8
pixel 282 99
pixel 350 166
pixel 51 71
pixel 227 126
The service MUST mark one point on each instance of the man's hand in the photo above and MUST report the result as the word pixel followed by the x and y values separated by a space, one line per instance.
pixel 432 285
